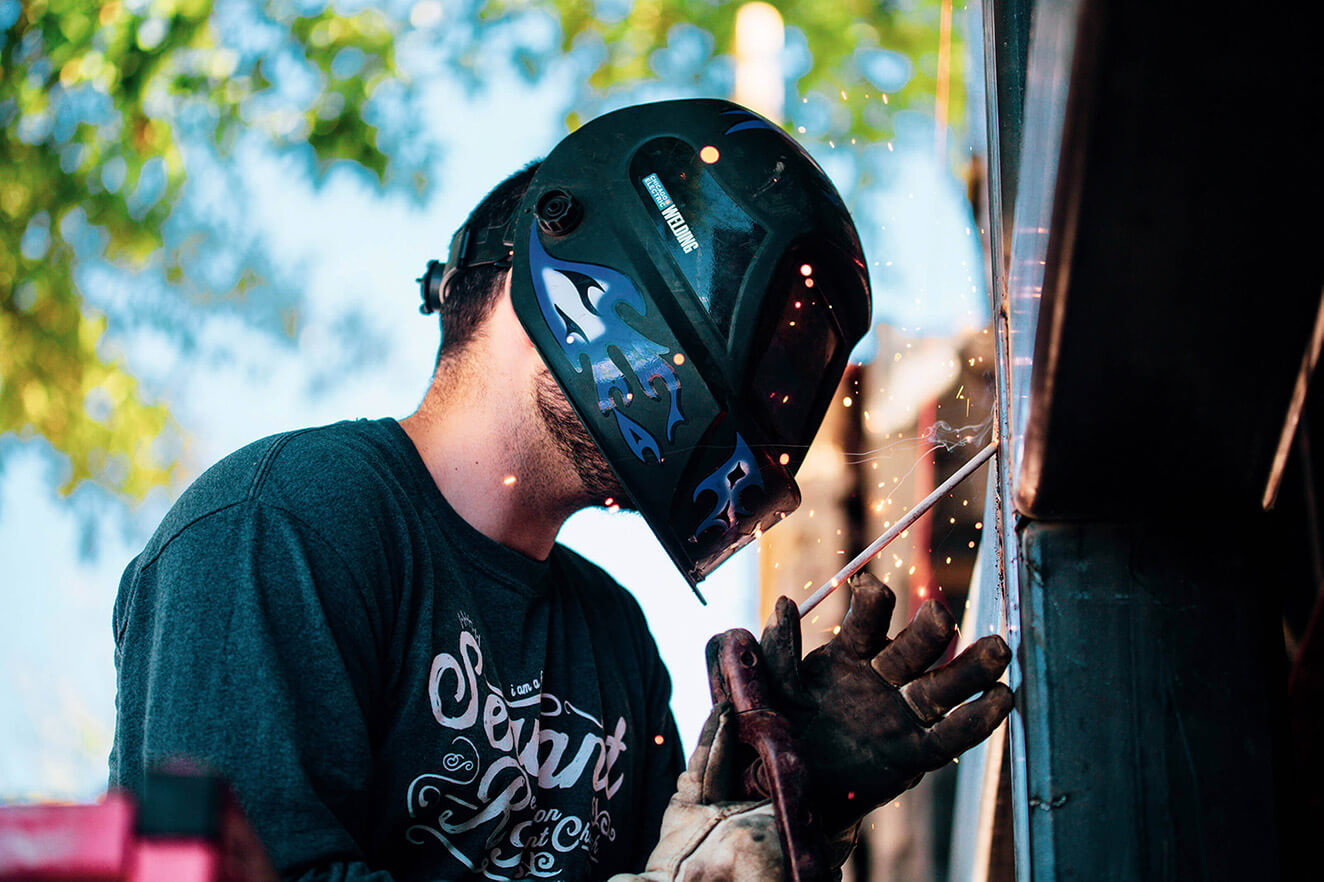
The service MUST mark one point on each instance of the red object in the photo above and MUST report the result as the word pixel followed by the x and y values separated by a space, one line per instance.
pixel 86 843
pixel 188 830
pixel 176 861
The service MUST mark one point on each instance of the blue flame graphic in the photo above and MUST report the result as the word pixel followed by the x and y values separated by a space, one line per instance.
pixel 727 482
pixel 580 303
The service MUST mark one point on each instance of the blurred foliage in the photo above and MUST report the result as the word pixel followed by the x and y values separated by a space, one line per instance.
pixel 104 107
pixel 98 102
pixel 861 61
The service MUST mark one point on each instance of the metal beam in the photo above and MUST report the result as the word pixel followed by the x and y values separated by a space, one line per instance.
pixel 1167 229
pixel 1150 660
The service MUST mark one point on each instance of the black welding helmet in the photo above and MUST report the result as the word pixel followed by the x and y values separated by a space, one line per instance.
pixel 695 285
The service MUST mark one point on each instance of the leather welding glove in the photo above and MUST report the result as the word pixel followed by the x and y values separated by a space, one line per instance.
pixel 705 837
pixel 870 717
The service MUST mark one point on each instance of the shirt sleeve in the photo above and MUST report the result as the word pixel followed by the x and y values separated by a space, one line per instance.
pixel 247 645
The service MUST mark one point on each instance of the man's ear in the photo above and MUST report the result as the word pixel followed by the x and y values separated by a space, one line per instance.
pixel 508 325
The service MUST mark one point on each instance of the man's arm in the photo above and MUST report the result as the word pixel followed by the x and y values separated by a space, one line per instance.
pixel 245 644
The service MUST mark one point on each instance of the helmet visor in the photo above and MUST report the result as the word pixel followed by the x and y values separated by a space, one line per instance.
pixel 798 351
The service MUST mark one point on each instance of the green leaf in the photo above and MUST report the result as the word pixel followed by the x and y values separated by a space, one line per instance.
pixel 154 63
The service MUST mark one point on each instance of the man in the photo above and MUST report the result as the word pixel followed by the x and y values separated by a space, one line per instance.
pixel 369 629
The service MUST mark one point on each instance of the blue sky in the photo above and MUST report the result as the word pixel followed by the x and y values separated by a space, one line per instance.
pixel 359 253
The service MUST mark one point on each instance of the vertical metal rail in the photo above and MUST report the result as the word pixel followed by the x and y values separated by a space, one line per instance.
pixel 1009 565
pixel 995 38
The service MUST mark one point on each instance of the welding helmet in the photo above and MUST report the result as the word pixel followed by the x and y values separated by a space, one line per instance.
pixel 695 285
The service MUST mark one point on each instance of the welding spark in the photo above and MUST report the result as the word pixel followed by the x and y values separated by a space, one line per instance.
pixel 900 528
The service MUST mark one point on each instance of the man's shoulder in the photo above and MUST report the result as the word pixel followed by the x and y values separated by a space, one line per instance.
pixel 351 463
pixel 584 571
pixel 322 475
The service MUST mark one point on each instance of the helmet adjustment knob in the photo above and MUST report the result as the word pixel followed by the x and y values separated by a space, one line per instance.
pixel 432 287
pixel 558 212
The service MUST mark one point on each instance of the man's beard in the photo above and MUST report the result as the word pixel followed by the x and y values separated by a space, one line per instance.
pixel 599 482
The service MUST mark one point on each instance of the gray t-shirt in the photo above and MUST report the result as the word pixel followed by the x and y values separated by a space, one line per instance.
pixel 391 694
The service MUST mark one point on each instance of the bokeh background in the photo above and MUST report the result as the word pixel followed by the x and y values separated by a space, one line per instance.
pixel 212 216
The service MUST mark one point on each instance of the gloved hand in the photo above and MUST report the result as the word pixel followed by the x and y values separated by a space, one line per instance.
pixel 869 719
pixel 706 838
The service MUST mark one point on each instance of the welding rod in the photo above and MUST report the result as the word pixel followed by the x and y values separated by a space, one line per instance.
pixel 898 528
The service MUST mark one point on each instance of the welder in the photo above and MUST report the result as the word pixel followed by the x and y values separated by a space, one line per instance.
pixel 369 629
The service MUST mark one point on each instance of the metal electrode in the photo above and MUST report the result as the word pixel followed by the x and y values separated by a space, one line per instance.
pixel 898 528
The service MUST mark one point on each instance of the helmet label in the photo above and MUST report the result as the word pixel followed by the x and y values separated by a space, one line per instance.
pixel 671 214
pixel 707 235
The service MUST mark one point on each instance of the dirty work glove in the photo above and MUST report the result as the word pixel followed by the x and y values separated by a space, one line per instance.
pixel 706 838
pixel 870 717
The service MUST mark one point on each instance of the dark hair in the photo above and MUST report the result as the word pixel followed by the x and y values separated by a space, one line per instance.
pixel 473 291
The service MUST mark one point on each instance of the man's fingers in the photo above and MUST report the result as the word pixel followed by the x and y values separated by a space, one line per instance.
pixel 921 644
pixel 781 648
pixel 968 725
pixel 864 630
pixel 933 694
pixel 709 775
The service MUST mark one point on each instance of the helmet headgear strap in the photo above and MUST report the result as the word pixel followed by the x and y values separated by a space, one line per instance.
pixel 491 246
